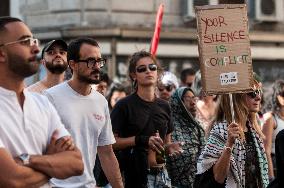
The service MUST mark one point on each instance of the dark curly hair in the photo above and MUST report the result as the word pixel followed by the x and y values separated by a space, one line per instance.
pixel 134 58
pixel 278 88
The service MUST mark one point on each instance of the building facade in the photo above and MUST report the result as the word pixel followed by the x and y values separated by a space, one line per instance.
pixel 125 26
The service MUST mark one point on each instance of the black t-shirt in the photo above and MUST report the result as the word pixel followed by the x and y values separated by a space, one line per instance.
pixel 279 152
pixel 133 116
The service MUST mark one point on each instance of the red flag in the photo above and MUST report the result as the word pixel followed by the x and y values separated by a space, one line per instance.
pixel 156 36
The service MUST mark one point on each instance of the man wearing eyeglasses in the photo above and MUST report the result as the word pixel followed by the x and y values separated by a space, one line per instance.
pixel 34 145
pixel 54 59
pixel 85 114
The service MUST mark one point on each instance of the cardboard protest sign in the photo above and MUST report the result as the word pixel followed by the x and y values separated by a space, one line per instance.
pixel 224 48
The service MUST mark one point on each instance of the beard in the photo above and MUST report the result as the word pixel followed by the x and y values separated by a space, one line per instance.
pixel 21 67
pixel 88 80
pixel 56 68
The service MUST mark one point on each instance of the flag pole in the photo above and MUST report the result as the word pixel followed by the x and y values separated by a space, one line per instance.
pixel 232 107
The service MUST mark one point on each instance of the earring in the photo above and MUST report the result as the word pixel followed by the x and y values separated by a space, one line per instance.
pixel 134 85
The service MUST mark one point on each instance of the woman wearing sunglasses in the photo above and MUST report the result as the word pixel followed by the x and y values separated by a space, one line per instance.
pixel 234 155
pixel 274 123
pixel 142 126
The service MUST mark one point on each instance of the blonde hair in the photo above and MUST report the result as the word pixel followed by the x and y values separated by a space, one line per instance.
pixel 241 111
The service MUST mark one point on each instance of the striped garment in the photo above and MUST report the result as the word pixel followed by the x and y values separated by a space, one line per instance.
pixel 214 148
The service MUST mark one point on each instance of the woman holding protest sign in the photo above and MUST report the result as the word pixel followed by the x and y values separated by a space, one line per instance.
pixel 234 155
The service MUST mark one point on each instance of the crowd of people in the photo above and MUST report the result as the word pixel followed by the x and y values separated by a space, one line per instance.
pixel 83 130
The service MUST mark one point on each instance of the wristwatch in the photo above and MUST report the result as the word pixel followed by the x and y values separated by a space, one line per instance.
pixel 25 158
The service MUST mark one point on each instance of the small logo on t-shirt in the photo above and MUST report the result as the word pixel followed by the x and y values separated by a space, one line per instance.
pixel 98 117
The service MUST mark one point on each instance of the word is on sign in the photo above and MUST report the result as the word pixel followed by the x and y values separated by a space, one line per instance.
pixel 224 48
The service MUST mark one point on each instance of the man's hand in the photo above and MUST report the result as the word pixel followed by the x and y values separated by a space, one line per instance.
pixel 58 145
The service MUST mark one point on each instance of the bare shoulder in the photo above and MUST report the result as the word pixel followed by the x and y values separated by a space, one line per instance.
pixel 268 119
pixel 268 116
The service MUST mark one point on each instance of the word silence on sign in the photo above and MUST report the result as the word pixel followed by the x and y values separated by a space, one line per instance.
pixel 224 48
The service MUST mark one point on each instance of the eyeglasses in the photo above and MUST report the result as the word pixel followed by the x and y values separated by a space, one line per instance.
pixel 169 88
pixel 92 61
pixel 143 68
pixel 255 93
pixel 27 42
pixel 188 98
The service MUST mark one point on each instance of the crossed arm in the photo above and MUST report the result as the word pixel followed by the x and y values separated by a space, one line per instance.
pixel 61 161
pixel 15 175
pixel 58 165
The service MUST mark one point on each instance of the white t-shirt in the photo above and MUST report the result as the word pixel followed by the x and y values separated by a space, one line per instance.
pixel 87 119
pixel 27 130
pixel 37 87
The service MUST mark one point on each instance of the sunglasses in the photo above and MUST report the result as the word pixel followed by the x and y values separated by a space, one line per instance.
pixel 188 98
pixel 255 93
pixel 169 88
pixel 143 68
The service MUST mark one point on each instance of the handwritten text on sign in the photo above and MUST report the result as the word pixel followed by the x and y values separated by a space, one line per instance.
pixel 224 48
pixel 222 37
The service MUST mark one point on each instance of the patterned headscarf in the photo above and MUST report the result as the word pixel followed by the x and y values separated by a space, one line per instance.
pixel 214 148
pixel 182 168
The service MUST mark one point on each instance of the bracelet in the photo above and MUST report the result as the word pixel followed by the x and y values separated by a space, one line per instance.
pixel 227 148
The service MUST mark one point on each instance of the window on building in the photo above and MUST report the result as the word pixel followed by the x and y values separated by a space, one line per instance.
pixel 232 1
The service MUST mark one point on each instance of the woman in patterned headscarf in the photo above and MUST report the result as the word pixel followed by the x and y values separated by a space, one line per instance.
pixel 182 168
pixel 234 154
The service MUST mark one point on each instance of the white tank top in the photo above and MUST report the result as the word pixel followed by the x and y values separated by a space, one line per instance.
pixel 279 126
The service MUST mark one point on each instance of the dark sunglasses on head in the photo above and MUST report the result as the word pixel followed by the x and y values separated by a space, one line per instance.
pixel 143 68
pixel 255 93
pixel 169 88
